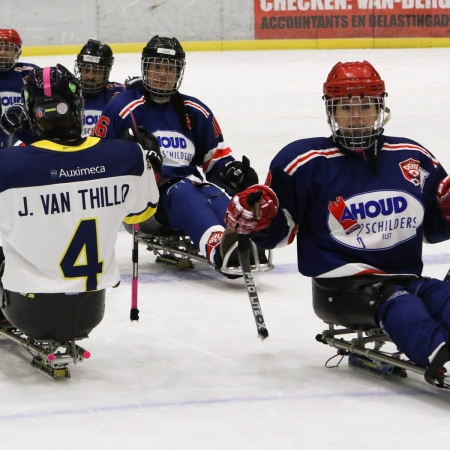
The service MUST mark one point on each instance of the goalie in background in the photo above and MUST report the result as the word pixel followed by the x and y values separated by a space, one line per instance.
pixel 361 204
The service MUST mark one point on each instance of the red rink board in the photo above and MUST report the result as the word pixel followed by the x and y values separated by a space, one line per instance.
pixel 337 19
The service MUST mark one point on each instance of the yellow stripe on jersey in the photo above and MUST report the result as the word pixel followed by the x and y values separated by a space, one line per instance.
pixel 51 145
pixel 138 218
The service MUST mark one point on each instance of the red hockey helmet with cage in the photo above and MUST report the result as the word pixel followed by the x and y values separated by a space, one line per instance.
pixel 10 35
pixel 353 79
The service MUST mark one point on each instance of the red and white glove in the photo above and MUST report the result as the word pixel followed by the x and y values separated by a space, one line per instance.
pixel 443 197
pixel 252 209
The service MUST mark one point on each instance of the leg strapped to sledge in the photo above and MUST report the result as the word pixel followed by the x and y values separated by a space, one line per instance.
pixel 349 308
pixel 175 248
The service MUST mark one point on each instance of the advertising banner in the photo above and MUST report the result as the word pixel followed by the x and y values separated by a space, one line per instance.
pixel 328 19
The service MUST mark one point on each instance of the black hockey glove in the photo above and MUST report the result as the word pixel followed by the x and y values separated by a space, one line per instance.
pixel 132 82
pixel 234 179
pixel 14 119
pixel 148 142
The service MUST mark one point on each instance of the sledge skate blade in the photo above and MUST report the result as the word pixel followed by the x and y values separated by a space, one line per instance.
pixel 369 366
pixel 48 371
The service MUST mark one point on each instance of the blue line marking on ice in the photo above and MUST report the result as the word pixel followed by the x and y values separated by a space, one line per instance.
pixel 157 405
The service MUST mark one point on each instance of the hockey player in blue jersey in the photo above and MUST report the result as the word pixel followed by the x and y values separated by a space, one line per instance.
pixel 360 205
pixel 190 139
pixel 12 75
pixel 93 67
pixel 63 202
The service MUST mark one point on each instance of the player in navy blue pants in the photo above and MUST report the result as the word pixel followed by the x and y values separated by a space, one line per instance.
pixel 192 146
pixel 360 204
pixel 12 75
pixel 417 318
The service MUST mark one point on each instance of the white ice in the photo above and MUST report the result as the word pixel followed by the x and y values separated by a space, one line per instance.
pixel 191 374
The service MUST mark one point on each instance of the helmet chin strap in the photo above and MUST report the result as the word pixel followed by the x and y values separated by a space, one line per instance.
pixel 388 116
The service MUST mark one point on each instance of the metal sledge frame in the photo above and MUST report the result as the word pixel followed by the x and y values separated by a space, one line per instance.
pixel 177 249
pixel 50 358
pixel 375 358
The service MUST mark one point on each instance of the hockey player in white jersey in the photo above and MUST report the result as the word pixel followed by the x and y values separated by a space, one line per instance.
pixel 360 205
pixel 63 199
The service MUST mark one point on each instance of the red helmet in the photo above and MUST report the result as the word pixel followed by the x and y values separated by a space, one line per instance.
pixel 9 35
pixel 353 79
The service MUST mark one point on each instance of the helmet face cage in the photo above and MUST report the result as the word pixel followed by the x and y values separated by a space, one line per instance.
pixel 53 101
pixel 354 103
pixel 9 54
pixel 93 66
pixel 357 121
pixel 162 76
pixel 93 77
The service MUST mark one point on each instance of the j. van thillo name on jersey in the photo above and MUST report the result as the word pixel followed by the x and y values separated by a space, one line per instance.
pixel 88 199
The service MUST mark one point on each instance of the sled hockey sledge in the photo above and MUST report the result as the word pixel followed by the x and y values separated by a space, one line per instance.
pixel 355 334
pixel 50 358
pixel 175 248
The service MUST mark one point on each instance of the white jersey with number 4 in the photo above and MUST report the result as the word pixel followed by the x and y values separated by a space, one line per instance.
pixel 62 204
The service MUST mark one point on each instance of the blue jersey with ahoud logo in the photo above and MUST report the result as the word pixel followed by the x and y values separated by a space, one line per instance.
pixel 94 104
pixel 11 84
pixel 350 217
pixel 184 150
pixel 62 205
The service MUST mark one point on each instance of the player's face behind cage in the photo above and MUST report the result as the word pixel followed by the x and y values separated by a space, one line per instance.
pixel 162 77
pixel 9 54
pixel 93 77
pixel 356 121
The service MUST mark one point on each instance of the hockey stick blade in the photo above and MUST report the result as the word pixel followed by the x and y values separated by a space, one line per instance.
pixel 244 261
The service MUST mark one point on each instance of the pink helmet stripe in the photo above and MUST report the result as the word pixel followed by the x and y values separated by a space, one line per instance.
pixel 47 82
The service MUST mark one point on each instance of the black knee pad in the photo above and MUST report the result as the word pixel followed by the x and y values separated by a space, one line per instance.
pixel 55 317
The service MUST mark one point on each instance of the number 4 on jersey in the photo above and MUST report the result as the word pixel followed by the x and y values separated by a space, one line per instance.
pixel 81 259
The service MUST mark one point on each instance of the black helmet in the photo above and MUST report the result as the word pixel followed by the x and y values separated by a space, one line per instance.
pixel 54 103
pixel 93 66
pixel 169 56
pixel 164 47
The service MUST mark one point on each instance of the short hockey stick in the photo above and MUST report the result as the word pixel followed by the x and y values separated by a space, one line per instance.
pixel 244 260
pixel 244 245
pixel 134 312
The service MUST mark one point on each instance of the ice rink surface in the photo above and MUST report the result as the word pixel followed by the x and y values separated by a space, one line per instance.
pixel 191 374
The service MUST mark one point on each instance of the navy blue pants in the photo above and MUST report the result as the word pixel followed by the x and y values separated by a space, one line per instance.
pixel 417 318
pixel 195 209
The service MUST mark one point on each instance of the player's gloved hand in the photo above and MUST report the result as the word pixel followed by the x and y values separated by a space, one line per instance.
pixel 14 119
pixel 148 142
pixel 252 209
pixel 132 82
pixel 234 179
pixel 443 197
